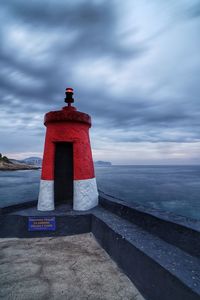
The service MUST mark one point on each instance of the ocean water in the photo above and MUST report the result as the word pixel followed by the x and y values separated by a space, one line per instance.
pixel 170 188
pixel 18 186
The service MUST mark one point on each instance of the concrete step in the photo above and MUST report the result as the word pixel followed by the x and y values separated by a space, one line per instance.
pixel 180 231
pixel 158 269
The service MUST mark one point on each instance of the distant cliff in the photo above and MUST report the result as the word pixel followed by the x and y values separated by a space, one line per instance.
pixel 36 161
pixel 7 164
pixel 101 163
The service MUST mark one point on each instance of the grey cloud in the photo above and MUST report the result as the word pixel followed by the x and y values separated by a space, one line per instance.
pixel 193 10
pixel 95 35
pixel 93 24
pixel 31 83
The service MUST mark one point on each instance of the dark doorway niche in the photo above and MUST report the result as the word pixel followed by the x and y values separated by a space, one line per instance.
pixel 63 173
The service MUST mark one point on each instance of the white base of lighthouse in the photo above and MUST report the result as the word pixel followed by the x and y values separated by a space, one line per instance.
pixel 85 195
pixel 46 195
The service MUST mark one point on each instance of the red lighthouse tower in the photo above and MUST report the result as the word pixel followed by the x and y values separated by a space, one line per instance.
pixel 67 168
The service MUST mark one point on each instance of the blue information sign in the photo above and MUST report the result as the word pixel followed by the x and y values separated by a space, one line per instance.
pixel 41 223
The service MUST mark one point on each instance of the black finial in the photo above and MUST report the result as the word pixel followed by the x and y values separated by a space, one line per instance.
pixel 69 93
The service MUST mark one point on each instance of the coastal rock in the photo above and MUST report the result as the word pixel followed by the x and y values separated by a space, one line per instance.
pixel 11 166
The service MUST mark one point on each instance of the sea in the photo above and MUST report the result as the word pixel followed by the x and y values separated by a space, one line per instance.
pixel 167 188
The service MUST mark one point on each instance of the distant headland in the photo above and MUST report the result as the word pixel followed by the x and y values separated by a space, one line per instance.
pixel 33 163
pixel 101 163
pixel 7 164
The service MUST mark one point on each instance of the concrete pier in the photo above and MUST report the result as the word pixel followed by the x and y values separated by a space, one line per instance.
pixel 158 251
pixel 72 267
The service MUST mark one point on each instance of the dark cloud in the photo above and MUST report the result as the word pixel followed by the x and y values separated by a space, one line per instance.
pixel 193 10
pixel 90 45
pixel 93 30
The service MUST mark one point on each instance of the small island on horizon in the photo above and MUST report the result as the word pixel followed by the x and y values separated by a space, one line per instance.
pixel 101 163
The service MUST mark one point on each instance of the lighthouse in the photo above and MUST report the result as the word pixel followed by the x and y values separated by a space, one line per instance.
pixel 67 168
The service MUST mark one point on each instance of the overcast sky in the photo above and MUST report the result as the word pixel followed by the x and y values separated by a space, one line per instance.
pixel 134 67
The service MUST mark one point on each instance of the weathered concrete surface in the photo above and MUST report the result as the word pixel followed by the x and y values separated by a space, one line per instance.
pixel 73 267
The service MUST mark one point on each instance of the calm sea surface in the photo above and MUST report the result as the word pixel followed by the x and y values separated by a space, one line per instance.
pixel 171 188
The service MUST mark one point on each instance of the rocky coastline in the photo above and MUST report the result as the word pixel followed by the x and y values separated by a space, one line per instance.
pixel 8 165
pixel 15 167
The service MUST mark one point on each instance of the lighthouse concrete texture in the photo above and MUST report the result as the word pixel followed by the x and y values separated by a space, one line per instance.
pixel 67 168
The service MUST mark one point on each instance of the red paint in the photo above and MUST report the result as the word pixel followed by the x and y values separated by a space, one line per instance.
pixel 68 125
pixel 67 114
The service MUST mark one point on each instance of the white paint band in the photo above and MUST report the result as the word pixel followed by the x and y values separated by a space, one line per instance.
pixel 85 195
pixel 46 195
